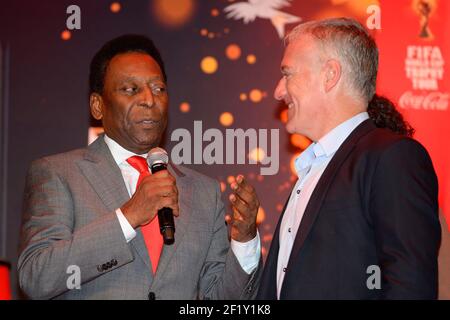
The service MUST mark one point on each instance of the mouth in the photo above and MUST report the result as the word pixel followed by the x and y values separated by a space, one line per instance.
pixel 148 123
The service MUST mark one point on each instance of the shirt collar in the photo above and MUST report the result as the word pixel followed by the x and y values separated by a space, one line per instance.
pixel 328 144
pixel 305 158
pixel 119 153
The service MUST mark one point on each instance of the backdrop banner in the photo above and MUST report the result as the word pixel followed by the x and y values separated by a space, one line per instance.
pixel 415 73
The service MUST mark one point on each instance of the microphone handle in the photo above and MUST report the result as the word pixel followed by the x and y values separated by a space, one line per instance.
pixel 167 225
pixel 165 215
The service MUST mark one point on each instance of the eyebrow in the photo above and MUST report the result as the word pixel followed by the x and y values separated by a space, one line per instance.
pixel 140 79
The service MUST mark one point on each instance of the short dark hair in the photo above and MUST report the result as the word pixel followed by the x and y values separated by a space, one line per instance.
pixel 119 45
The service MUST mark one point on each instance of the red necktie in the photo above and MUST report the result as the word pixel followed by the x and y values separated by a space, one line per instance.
pixel 152 236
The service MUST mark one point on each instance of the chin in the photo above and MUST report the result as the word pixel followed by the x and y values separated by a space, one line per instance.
pixel 146 144
pixel 150 145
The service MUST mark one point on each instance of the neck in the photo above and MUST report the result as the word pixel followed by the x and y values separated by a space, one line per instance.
pixel 340 112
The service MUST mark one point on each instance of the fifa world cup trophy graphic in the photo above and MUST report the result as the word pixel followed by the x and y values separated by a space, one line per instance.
pixel 424 8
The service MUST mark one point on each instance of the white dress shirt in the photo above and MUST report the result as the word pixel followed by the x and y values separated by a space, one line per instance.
pixel 310 166
pixel 247 253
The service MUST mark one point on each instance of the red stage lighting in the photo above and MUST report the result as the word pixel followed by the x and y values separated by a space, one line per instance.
pixel 5 289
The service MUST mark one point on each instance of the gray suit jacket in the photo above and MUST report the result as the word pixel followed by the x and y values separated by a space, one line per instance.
pixel 69 219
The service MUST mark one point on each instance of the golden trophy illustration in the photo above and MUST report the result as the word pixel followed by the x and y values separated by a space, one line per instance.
pixel 425 9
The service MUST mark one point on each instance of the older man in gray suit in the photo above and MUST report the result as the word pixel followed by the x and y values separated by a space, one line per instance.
pixel 91 211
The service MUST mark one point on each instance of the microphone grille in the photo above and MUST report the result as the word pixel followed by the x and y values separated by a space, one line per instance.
pixel 157 155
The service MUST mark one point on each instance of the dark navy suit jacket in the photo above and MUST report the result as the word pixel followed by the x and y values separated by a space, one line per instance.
pixel 375 204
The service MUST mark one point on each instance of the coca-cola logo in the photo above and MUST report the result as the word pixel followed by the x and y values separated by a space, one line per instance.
pixel 427 101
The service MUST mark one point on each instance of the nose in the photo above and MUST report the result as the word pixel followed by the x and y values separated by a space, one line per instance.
pixel 147 98
pixel 280 90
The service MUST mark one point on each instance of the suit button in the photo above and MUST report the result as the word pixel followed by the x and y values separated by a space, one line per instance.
pixel 114 262
pixel 151 296
pixel 250 287
pixel 99 268
pixel 109 265
pixel 104 267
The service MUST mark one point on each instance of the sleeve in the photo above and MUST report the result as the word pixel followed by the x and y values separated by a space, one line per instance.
pixel 404 211
pixel 128 231
pixel 50 247
pixel 248 253
pixel 222 277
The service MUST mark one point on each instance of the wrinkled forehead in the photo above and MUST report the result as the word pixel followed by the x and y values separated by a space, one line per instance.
pixel 133 65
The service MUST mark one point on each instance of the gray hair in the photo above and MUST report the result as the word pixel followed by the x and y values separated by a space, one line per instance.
pixel 352 44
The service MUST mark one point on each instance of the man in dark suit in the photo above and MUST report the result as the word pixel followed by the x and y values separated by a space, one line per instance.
pixel 90 213
pixel 362 219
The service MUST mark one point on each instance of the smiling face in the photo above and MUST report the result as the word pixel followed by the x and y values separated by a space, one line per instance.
pixel 134 102
pixel 301 88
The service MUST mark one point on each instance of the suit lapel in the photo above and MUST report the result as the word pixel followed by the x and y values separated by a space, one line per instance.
pixel 100 169
pixel 268 287
pixel 185 192
pixel 105 177
pixel 319 194
pixel 139 245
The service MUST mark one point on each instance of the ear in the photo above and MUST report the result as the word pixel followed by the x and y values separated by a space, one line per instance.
pixel 96 103
pixel 333 73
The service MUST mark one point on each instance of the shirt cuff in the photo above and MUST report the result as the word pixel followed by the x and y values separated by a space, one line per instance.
pixel 248 253
pixel 127 229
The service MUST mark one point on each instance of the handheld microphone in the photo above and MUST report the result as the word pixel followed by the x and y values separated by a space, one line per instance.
pixel 157 160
